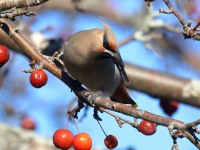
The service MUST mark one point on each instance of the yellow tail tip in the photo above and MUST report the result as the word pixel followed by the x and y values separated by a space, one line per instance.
pixel 134 106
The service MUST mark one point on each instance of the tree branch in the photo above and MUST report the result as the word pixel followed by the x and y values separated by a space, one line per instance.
pixel 176 13
pixel 8 4
pixel 192 124
pixel 14 13
pixel 162 85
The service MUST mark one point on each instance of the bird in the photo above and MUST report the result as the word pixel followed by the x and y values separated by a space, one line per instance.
pixel 92 58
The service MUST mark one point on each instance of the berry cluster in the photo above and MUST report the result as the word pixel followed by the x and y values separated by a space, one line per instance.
pixel 64 139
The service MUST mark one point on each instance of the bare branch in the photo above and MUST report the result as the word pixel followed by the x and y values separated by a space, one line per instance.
pixel 193 124
pixel 127 40
pixel 119 120
pixel 8 4
pixel 163 85
pixel 176 13
pixel 14 13
pixel 192 138
pixel 188 31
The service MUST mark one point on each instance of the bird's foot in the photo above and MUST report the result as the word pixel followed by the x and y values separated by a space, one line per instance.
pixel 95 115
pixel 74 112
pixel 93 95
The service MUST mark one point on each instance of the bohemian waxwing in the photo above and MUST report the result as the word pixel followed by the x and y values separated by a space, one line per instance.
pixel 92 58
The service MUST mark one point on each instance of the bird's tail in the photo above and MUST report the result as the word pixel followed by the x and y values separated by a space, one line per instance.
pixel 121 96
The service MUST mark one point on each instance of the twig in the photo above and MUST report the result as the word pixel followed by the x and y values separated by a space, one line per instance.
pixel 8 4
pixel 193 124
pixel 118 119
pixel 188 31
pixel 126 40
pixel 176 13
pixel 14 13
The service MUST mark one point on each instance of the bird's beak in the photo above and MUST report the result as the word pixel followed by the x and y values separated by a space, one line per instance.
pixel 114 55
pixel 118 62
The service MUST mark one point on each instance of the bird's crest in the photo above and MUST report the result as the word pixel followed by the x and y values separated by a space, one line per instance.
pixel 110 36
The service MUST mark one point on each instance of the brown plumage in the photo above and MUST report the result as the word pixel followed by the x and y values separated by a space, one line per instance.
pixel 92 58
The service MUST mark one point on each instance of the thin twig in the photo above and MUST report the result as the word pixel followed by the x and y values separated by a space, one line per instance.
pixel 175 12
pixel 135 125
pixel 126 40
pixel 8 4
pixel 14 13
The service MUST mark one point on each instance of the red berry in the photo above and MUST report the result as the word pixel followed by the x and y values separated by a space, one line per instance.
pixel 82 141
pixel 4 55
pixel 38 78
pixel 28 123
pixel 147 128
pixel 169 107
pixel 63 138
pixel 111 141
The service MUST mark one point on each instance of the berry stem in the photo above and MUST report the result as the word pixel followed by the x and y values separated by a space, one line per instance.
pixel 102 128
pixel 75 124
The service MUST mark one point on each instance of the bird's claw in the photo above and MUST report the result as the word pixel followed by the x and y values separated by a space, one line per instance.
pixel 93 95
pixel 95 115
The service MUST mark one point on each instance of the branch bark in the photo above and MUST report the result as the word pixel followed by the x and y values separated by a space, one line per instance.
pixel 176 13
pixel 8 4
pixel 163 85
pixel 188 31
